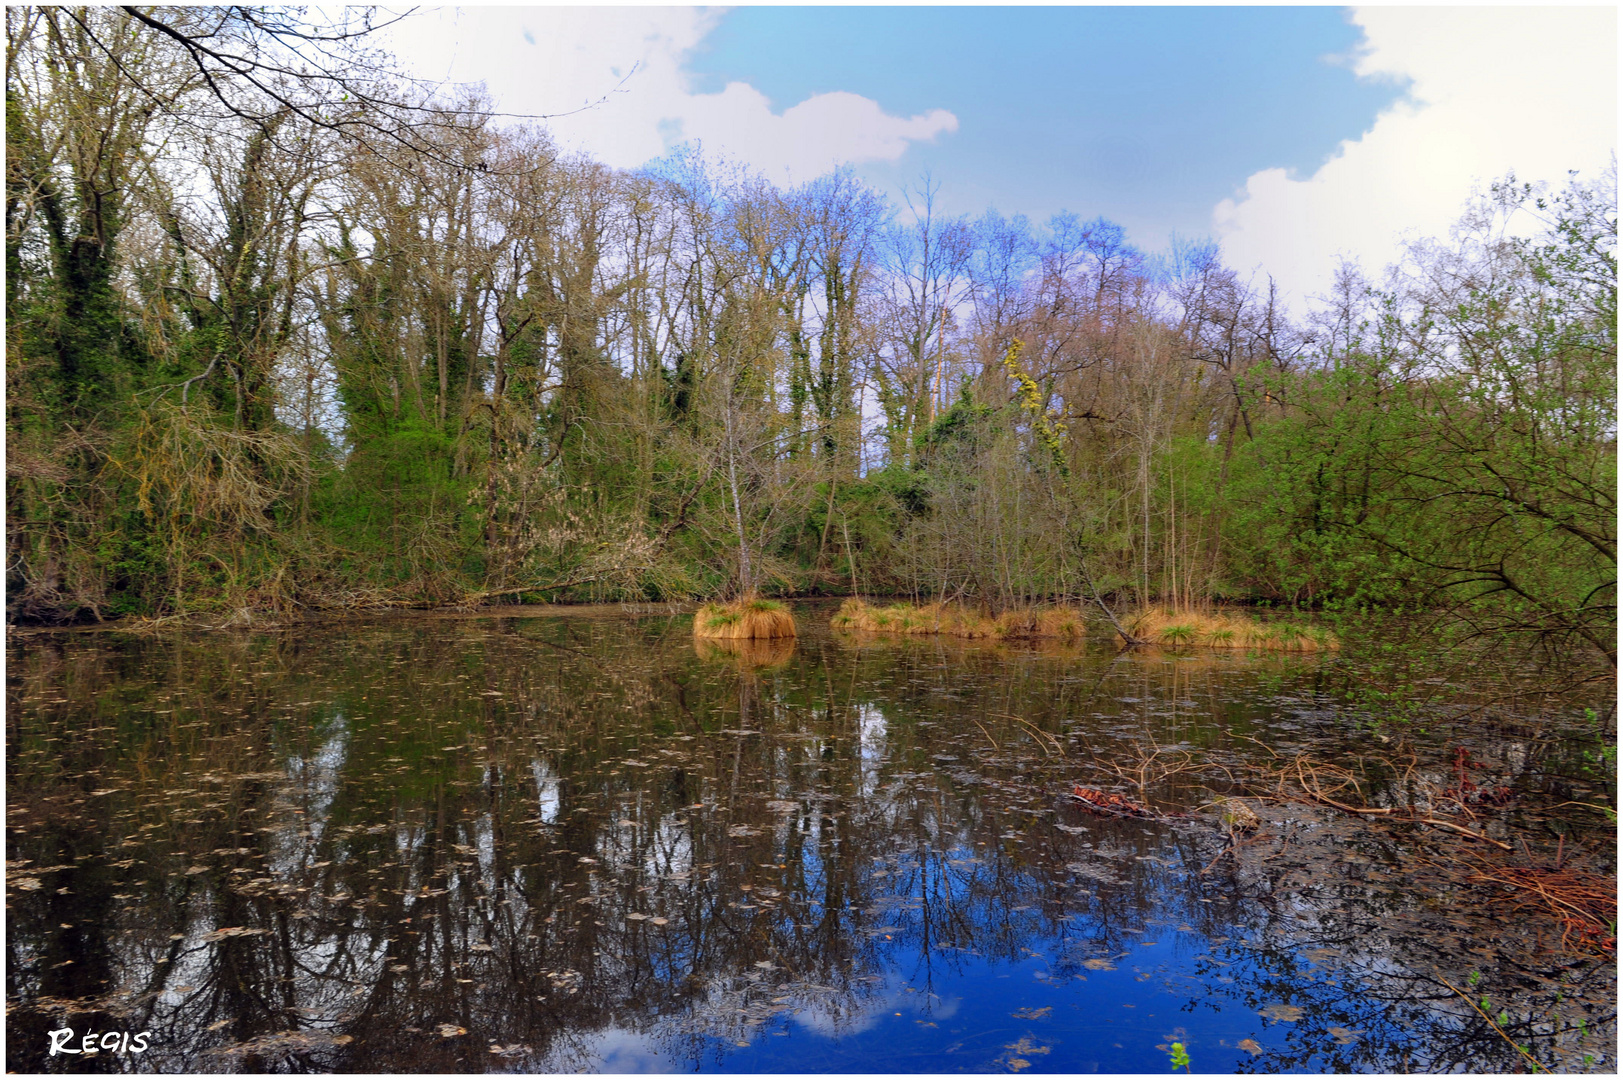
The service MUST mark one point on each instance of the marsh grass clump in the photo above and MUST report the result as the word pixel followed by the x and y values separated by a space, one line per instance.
pixel 749 618
pixel 1226 630
pixel 953 620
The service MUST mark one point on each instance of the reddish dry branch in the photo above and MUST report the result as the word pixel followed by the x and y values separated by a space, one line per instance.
pixel 1108 802
pixel 1584 904
pixel 1467 792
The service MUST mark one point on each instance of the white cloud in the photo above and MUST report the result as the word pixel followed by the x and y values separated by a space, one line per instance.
pixel 627 63
pixel 1493 90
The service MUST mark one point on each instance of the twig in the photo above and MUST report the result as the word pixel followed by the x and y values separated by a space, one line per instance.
pixel 1462 830
pixel 1044 739
pixel 1489 1019
pixel 988 734
pixel 1230 848
pixel 1253 739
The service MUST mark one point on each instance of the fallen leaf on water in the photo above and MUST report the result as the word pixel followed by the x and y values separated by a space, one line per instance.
pixel 1099 965
pixel 659 921
pixel 1251 1045
pixel 1033 1014
pixel 450 1031
pixel 231 932
pixel 1287 1013
pixel 1345 1036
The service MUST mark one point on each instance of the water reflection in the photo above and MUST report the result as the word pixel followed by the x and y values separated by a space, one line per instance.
pixel 558 845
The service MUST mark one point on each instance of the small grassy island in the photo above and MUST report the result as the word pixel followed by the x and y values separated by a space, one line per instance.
pixel 749 619
pixel 1226 630
pixel 956 621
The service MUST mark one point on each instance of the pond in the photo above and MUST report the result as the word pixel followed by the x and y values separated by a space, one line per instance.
pixel 560 844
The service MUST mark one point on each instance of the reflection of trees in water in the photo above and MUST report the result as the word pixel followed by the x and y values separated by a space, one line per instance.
pixel 335 853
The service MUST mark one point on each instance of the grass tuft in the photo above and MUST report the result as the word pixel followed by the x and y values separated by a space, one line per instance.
pixel 1227 630
pixel 749 618
pixel 955 621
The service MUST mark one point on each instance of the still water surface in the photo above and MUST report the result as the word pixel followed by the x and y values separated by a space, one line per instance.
pixel 563 844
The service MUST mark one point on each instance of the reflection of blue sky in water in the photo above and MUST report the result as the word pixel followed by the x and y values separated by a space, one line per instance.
pixel 1065 1003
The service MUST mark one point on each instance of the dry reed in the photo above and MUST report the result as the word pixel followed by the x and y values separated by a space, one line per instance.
pixel 955 621
pixel 1226 630
pixel 748 618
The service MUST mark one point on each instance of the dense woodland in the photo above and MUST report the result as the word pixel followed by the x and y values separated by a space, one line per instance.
pixel 287 333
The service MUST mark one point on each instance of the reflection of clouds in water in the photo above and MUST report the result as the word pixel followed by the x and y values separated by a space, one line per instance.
pixel 547 786
pixel 672 849
pixel 870 745
pixel 408 839
pixel 839 1017
pixel 484 844
pixel 484 841
pixel 834 1022
pixel 617 1051
pixel 312 786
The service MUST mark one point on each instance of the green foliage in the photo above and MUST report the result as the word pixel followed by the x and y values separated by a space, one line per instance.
pixel 398 509
pixel 1458 447
pixel 474 377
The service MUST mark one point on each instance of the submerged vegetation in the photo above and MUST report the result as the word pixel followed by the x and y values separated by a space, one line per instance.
pixel 297 342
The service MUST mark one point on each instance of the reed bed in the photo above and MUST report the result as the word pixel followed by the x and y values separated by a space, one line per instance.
pixel 1226 630
pixel 953 620
pixel 749 618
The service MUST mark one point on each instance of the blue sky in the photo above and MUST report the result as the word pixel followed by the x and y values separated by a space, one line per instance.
pixel 1294 136
pixel 1148 116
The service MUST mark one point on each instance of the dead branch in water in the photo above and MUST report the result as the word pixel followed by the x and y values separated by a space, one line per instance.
pixel 1156 764
pixel 1107 802
pixel 1312 789
pixel 1533 1065
pixel 1042 738
pixel 1584 904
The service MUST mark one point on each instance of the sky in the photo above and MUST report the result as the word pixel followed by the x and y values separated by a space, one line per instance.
pixel 1292 136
